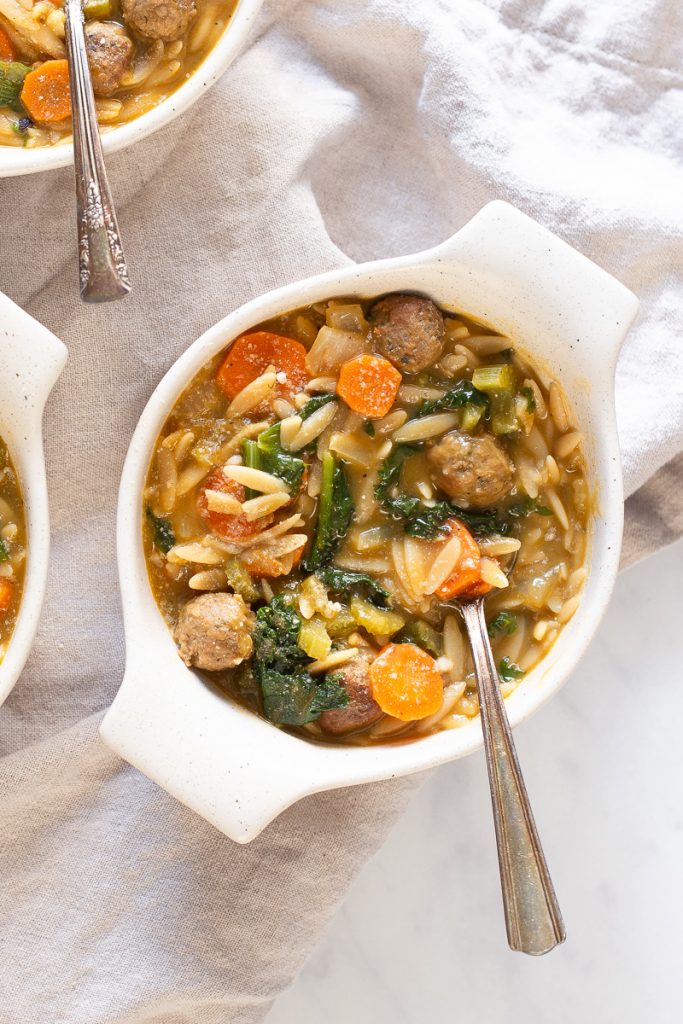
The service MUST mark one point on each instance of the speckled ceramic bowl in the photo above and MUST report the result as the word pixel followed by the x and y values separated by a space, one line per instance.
pixel 17 160
pixel 232 767
pixel 31 360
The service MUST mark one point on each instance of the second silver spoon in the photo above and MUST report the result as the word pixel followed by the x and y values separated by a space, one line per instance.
pixel 101 261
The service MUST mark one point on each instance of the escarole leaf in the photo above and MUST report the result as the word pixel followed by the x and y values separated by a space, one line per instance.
pixel 291 695
pixel 343 580
pixel 267 453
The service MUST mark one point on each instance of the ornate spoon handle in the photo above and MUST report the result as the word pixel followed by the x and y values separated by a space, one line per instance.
pixel 102 264
pixel 532 914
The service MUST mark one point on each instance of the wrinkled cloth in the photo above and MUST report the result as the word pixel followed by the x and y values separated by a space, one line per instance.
pixel 347 130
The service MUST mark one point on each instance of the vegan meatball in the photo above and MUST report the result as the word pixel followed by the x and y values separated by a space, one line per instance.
pixel 474 471
pixel 159 19
pixel 361 711
pixel 408 331
pixel 214 632
pixel 109 52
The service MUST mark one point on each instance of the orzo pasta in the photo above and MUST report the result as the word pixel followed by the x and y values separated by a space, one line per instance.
pixel 324 490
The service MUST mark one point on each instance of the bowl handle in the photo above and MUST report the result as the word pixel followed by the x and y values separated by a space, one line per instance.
pixel 502 244
pixel 32 355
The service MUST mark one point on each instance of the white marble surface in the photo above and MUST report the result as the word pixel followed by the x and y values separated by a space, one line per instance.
pixel 420 937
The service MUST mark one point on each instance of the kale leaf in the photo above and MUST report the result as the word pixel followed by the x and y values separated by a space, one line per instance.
pixel 343 580
pixel 400 506
pixel 526 507
pixel 335 512
pixel 508 671
pixel 527 393
pixel 164 537
pixel 4 551
pixel 291 695
pixel 315 403
pixel 502 623
pixel 272 458
pixel 462 394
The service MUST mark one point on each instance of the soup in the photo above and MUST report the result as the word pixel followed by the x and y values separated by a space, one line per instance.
pixel 12 548
pixel 325 489
pixel 140 51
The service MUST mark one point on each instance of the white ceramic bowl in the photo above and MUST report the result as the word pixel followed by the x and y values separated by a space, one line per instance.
pixel 232 767
pixel 31 360
pixel 15 160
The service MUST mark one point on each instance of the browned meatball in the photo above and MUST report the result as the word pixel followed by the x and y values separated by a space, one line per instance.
pixel 474 471
pixel 408 331
pixel 214 632
pixel 361 711
pixel 109 53
pixel 159 19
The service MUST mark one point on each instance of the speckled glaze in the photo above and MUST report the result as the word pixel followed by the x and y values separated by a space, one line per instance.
pixel 16 160
pixel 31 360
pixel 237 770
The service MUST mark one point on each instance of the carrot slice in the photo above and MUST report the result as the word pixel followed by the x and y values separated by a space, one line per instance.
pixel 252 354
pixel 6 596
pixel 229 527
pixel 6 48
pixel 467 573
pixel 406 683
pixel 369 385
pixel 46 93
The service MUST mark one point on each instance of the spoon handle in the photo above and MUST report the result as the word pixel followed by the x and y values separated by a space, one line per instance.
pixel 532 914
pixel 101 261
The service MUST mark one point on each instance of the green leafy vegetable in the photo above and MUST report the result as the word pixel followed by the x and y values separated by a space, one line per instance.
pixel 291 695
pixel 272 458
pixel 422 635
pixel 462 394
pixel 502 623
pixel 369 428
pixel 526 507
pixel 400 506
pixel 4 551
pixel 343 580
pixel 335 511
pixel 315 403
pixel 164 537
pixel 530 399
pixel 12 75
pixel 508 671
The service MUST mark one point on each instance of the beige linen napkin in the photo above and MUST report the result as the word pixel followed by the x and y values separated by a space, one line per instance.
pixel 348 130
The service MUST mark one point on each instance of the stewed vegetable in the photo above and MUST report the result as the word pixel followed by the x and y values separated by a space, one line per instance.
pixel 325 487
pixel 12 548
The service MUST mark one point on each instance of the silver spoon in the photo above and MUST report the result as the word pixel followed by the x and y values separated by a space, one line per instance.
pixel 532 914
pixel 101 261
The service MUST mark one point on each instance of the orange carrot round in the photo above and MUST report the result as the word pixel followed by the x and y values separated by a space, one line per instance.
pixel 406 683
pixel 252 354
pixel 467 573
pixel 46 93
pixel 369 385
pixel 230 527
pixel 6 596
pixel 6 47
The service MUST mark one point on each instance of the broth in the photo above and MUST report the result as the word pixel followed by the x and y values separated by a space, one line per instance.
pixel 12 548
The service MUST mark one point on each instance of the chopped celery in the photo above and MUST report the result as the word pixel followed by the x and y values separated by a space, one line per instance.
pixel 12 75
pixel 342 624
pixel 470 416
pixel 240 580
pixel 503 417
pixel 424 636
pixel 377 621
pixel 97 8
pixel 500 377
pixel 314 640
